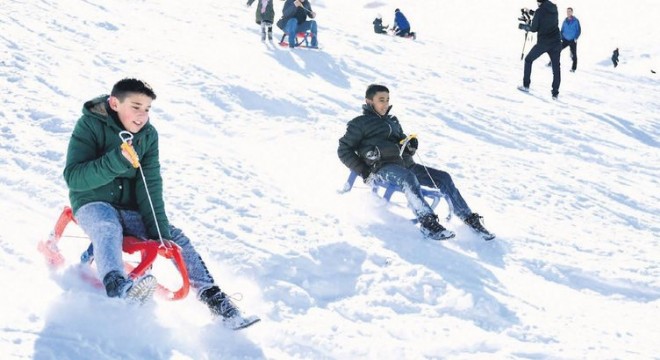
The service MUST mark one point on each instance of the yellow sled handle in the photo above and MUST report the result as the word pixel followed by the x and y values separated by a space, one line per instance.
pixel 405 142
pixel 125 137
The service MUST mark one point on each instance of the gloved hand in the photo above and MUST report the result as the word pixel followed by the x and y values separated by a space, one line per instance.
pixel 411 146
pixel 365 174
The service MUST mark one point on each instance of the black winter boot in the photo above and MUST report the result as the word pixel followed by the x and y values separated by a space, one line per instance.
pixel 431 228
pixel 218 302
pixel 116 285
pixel 474 221
pixel 139 291
pixel 221 305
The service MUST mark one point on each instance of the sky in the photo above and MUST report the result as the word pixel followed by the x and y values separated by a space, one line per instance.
pixel 248 139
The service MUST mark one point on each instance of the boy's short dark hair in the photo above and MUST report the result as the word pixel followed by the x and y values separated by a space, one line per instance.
pixel 129 85
pixel 373 89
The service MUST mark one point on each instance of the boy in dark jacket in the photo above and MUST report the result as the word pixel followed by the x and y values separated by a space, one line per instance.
pixel 546 24
pixel 117 191
pixel 371 147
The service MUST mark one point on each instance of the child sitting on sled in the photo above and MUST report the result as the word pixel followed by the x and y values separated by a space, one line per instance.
pixel 117 191
pixel 378 25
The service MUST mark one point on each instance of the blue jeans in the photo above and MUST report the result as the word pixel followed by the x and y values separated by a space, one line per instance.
pixel 406 179
pixel 554 50
pixel 446 185
pixel 292 28
pixel 106 226
pixel 410 180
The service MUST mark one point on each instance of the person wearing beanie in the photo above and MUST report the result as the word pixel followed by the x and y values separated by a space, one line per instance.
pixel 546 24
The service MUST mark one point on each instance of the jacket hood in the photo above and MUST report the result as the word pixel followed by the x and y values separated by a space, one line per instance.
pixel 549 7
pixel 369 110
pixel 99 108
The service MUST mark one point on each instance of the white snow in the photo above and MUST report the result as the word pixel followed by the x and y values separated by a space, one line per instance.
pixel 248 149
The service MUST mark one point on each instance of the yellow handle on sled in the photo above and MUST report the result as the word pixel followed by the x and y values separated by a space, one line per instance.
pixel 407 139
pixel 125 138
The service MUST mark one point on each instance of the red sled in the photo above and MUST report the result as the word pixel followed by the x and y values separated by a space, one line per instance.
pixel 303 40
pixel 149 251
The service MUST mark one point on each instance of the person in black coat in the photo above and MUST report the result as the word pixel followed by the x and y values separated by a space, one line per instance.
pixel 378 25
pixel 374 147
pixel 546 23
pixel 294 20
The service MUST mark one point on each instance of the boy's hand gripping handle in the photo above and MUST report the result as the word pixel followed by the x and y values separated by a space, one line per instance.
pixel 126 136
pixel 404 142
pixel 128 148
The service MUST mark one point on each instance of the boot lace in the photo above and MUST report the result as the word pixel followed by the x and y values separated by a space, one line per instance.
pixel 474 221
pixel 430 223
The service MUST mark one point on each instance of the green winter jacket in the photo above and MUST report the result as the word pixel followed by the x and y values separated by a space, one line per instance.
pixel 97 171
pixel 369 132
pixel 267 16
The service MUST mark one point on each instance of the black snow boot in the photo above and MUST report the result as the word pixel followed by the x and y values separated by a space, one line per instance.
pixel 139 291
pixel 474 221
pixel 219 302
pixel 431 228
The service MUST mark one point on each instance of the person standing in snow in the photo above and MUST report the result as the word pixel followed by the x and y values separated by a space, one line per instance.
pixel 294 20
pixel 401 25
pixel 109 196
pixel 546 23
pixel 264 16
pixel 372 147
pixel 570 32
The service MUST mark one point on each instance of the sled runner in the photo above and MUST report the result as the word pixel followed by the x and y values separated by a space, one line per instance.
pixel 389 189
pixel 149 251
pixel 303 40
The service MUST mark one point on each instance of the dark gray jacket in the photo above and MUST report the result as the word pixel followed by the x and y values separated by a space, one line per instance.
pixel 546 23
pixel 289 10
pixel 372 132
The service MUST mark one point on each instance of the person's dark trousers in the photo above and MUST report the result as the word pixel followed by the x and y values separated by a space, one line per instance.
pixel 573 47
pixel 445 183
pixel 554 50
pixel 403 32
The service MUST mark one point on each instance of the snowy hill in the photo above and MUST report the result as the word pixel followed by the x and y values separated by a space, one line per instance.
pixel 248 148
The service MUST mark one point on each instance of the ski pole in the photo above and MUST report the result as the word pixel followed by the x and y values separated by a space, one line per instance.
pixel 524 43
pixel 125 137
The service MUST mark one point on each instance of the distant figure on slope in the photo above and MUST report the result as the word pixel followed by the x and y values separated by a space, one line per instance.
pixel 570 32
pixel 615 57
pixel 294 20
pixel 546 23
pixel 108 195
pixel 378 25
pixel 372 148
pixel 401 25
pixel 264 16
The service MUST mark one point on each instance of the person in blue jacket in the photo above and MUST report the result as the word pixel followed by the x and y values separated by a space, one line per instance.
pixel 294 20
pixel 401 25
pixel 570 32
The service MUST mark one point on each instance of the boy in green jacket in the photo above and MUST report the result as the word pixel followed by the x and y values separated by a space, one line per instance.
pixel 109 196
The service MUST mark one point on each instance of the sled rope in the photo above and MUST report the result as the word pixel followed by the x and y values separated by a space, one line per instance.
pixel 125 137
